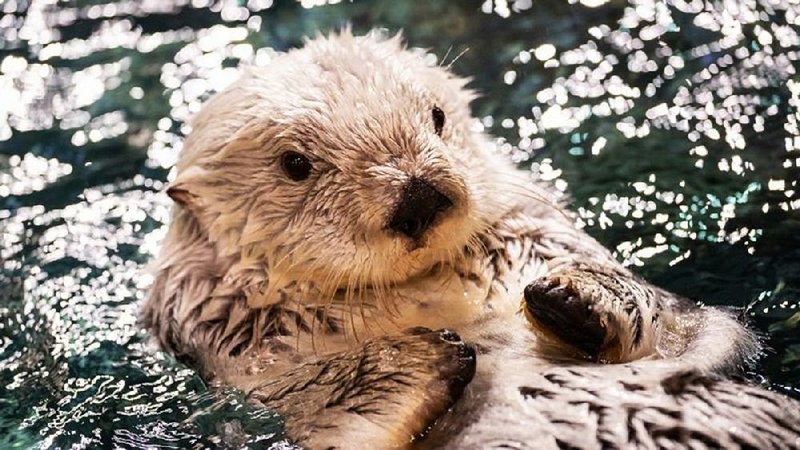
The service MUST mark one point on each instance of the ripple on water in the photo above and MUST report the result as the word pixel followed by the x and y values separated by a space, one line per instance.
pixel 674 126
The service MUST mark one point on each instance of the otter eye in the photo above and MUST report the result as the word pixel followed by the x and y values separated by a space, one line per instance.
pixel 296 166
pixel 438 120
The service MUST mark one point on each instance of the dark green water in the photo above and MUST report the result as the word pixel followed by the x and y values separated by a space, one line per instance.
pixel 673 125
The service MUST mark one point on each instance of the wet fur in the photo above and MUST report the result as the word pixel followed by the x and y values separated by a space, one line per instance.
pixel 297 293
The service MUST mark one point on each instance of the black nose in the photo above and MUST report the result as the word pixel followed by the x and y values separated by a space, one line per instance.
pixel 417 208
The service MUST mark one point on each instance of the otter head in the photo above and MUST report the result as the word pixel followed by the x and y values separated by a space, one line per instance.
pixel 348 163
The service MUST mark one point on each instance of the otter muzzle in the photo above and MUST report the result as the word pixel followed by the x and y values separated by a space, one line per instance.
pixel 418 208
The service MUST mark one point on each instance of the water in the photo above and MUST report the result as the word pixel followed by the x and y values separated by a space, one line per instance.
pixel 673 125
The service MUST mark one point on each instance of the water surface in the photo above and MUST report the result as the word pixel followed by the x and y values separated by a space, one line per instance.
pixel 673 126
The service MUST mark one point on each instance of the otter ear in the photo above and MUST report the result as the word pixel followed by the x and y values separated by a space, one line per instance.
pixel 183 190
pixel 180 195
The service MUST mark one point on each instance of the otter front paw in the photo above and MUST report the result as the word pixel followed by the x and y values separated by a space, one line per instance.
pixel 384 394
pixel 606 314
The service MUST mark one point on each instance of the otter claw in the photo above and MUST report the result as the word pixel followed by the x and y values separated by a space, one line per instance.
pixel 559 310
pixel 606 315
pixel 449 335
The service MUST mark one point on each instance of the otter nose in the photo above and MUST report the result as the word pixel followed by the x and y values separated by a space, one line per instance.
pixel 417 208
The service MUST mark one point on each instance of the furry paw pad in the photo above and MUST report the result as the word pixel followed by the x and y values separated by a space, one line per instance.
pixel 557 307
pixel 608 316
pixel 390 390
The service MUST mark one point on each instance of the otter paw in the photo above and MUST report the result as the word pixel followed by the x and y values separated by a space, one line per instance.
pixel 387 392
pixel 609 316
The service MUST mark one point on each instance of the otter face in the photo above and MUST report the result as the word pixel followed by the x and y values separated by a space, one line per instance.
pixel 349 162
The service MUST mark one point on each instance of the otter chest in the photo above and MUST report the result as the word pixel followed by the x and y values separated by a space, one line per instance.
pixel 452 301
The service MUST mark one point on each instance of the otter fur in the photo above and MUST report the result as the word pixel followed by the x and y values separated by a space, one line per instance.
pixel 346 249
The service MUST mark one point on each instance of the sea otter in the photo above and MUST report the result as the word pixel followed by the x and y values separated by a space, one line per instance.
pixel 346 249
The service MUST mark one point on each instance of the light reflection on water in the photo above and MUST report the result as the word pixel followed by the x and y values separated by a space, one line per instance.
pixel 673 125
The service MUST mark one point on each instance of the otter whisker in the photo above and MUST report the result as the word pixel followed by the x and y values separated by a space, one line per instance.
pixel 305 280
pixel 457 57
pixel 388 301
pixel 359 291
pixel 328 285
pixel 362 312
pixel 333 275
pixel 348 300
pixel 380 295
pixel 446 54
pixel 525 190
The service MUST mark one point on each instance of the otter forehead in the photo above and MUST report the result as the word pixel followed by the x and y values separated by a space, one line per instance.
pixel 357 100
pixel 369 93
pixel 348 68
pixel 366 124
